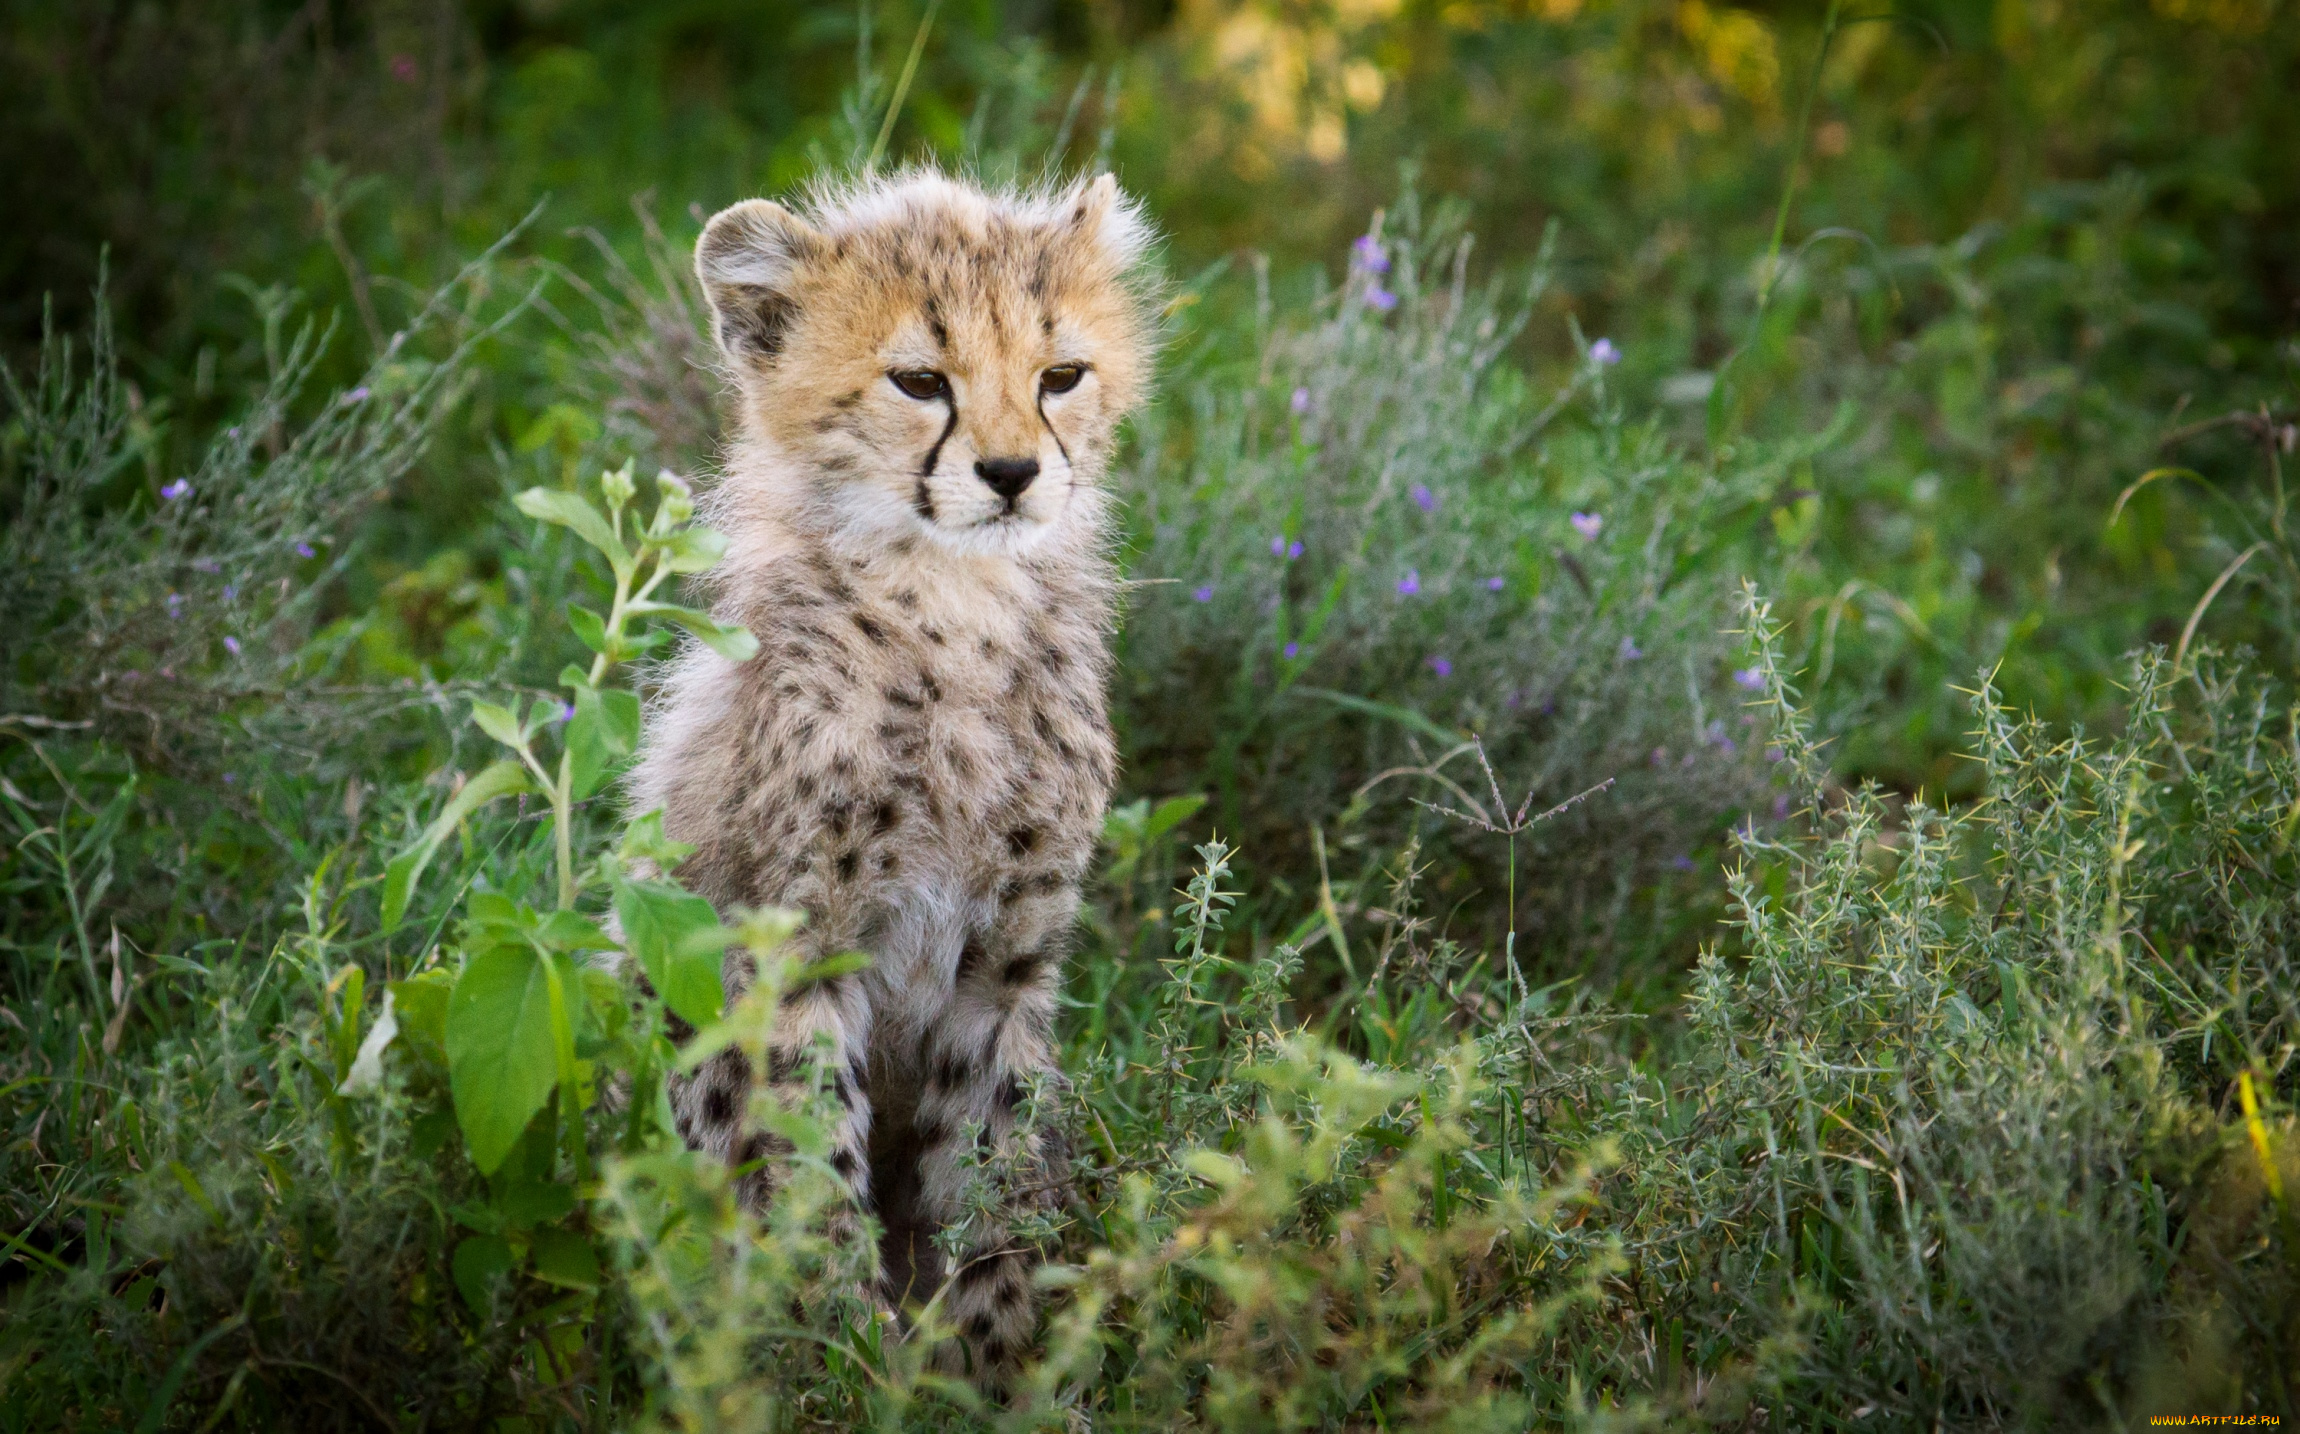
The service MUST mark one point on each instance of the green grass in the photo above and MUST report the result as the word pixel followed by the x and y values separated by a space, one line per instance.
pixel 1893 1029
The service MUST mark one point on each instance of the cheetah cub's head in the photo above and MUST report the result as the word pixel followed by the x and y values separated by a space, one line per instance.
pixel 915 356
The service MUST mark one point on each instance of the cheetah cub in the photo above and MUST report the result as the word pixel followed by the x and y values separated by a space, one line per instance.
pixel 930 381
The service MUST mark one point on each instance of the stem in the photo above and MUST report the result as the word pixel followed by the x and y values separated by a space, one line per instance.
pixel 562 790
pixel 562 816
pixel 1796 156
pixel 902 87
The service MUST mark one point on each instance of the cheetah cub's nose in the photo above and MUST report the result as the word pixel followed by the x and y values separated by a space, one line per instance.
pixel 1007 477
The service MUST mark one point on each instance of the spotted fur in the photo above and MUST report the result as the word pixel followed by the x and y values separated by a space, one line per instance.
pixel 919 755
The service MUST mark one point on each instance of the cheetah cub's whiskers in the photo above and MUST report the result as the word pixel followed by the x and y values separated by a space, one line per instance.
pixel 930 381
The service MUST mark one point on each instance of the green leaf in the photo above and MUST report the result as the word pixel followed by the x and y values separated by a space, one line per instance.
pixel 479 1262
pixel 1404 716
pixel 399 878
pixel 534 1202
pixel 661 924
pixel 693 550
pixel 570 931
pixel 644 840
pixel 830 967
pixel 1171 813
pixel 501 723
pixel 430 1132
pixel 563 1258
pixel 502 1054
pixel 421 1001
pixel 590 627
pixel 732 643
pixel 603 732
pixel 568 510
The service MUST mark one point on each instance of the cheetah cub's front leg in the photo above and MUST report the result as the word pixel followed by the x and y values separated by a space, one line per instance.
pixel 995 1041
pixel 929 382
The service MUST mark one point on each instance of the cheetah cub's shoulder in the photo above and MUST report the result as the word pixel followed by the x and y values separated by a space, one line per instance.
pixel 929 381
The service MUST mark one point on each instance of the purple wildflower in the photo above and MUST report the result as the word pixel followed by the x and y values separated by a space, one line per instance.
pixel 1204 594
pixel 1443 667
pixel 1292 649
pixel 1681 862
pixel 1749 677
pixel 357 395
pixel 206 565
pixel 304 550
pixel 1494 585
pixel 1775 754
pixel 1424 499
pixel 1660 757
pixel 1411 583
pixel 1278 546
pixel 566 712
pixel 230 777
pixel 1380 298
pixel 181 488
pixel 1604 354
pixel 175 605
pixel 231 592
pixel 1630 651
pixel 1587 524
pixel 1300 402
pixel 1781 807
pixel 1368 252
pixel 232 646
pixel 232 432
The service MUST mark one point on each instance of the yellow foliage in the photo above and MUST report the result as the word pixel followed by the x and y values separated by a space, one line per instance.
pixel 1736 48
pixel 2229 17
pixel 1294 68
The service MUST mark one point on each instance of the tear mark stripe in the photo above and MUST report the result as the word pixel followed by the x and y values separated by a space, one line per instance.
pixel 1059 445
pixel 950 426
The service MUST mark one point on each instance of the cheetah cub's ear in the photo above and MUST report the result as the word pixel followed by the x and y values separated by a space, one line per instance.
pixel 750 259
pixel 1110 221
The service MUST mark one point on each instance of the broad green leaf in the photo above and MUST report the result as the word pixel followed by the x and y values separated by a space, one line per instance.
pixel 527 1203
pixel 590 627
pixel 732 643
pixel 421 1001
pixel 399 878
pixel 479 1262
pixel 501 723
pixel 659 922
pixel 644 840
pixel 503 1058
pixel 570 931
pixel 603 732
pixel 570 511
pixel 563 1258
pixel 694 550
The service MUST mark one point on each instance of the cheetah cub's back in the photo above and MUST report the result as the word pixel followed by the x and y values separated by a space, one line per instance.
pixel 929 382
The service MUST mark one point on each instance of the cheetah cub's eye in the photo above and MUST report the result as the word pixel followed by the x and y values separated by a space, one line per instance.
pixel 920 383
pixel 1061 378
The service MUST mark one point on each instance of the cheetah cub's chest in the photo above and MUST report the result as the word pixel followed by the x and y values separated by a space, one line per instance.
pixel 928 744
